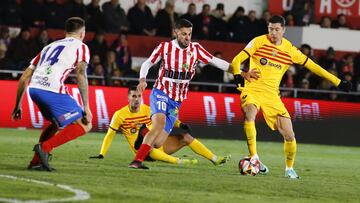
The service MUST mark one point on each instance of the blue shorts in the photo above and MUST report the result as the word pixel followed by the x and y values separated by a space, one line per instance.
pixel 161 103
pixel 60 108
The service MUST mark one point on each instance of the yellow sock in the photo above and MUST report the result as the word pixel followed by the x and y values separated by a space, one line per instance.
pixel 160 155
pixel 250 132
pixel 202 150
pixel 290 152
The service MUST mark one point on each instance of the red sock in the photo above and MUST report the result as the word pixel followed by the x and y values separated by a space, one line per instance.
pixel 142 152
pixel 144 131
pixel 46 134
pixel 69 133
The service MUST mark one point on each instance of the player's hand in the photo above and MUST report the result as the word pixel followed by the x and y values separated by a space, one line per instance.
pixel 87 118
pixel 345 86
pixel 252 73
pixel 142 85
pixel 16 114
pixel 100 156
pixel 185 127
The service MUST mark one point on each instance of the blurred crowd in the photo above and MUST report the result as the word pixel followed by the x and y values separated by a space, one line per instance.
pixel 116 60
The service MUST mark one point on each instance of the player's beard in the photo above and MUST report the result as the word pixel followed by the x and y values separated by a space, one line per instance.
pixel 182 45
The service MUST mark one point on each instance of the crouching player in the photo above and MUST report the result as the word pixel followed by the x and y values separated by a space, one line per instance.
pixel 131 121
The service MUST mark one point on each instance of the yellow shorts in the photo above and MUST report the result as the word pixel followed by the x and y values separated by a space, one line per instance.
pixel 270 105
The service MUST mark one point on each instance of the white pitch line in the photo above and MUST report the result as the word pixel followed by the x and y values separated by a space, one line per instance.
pixel 79 194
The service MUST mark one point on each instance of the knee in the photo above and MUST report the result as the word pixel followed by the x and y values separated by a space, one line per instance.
pixel 289 136
pixel 185 138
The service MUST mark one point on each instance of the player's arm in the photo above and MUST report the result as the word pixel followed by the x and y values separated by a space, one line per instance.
pixel 299 58
pixel 154 58
pixel 246 53
pixel 23 81
pixel 318 70
pixel 82 81
pixel 105 144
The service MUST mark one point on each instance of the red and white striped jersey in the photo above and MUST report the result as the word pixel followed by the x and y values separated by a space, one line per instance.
pixel 55 62
pixel 177 67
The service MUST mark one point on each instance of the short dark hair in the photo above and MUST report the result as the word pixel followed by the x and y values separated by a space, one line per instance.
pixel 278 19
pixel 132 88
pixel 183 23
pixel 73 24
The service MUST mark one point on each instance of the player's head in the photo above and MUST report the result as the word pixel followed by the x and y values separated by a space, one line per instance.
pixel 134 98
pixel 75 26
pixel 183 31
pixel 276 28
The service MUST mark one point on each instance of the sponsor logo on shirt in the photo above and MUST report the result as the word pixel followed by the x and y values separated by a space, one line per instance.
pixel 278 66
pixel 43 81
pixel 263 61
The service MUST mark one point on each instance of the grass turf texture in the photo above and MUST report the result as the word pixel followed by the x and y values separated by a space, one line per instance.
pixel 328 173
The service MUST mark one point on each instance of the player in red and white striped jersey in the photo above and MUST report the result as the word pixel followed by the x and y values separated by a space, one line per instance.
pixel 178 58
pixel 48 71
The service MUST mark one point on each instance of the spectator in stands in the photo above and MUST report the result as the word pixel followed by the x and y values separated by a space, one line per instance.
pixel 303 12
pixel 219 29
pixel 333 96
pixel 54 14
pixel 5 35
pixel 305 85
pixel 264 21
pixel 117 82
pixel 141 19
pixel 165 20
pixel 123 55
pixel 328 61
pixel 31 18
pixel 190 15
pixel 95 18
pixel 325 22
pixel 4 61
pixel 202 23
pixel 253 26
pixel 95 59
pixel 98 71
pixel 77 8
pixel 357 67
pixel 346 65
pixel 11 13
pixel 290 21
pixel 302 73
pixel 42 39
pixel 110 66
pixel 238 24
pixel 340 22
pixel 213 74
pixel 114 17
pixel 98 45
pixel 22 49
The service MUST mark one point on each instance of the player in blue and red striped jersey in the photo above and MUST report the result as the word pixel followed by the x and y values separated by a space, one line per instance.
pixel 178 61
pixel 47 73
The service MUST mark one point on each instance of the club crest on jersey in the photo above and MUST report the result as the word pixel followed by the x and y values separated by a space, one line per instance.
pixel 133 130
pixel 189 53
pixel 263 61
pixel 274 53
pixel 185 66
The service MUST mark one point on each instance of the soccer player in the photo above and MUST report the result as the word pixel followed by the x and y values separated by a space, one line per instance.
pixel 178 60
pixel 131 121
pixel 47 73
pixel 272 55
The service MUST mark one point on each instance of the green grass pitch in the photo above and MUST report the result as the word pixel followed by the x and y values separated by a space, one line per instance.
pixel 328 173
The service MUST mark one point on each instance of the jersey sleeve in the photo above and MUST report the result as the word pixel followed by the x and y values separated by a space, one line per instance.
pixel 35 61
pixel 157 54
pixel 116 121
pixel 203 55
pixel 246 53
pixel 83 54
pixel 297 56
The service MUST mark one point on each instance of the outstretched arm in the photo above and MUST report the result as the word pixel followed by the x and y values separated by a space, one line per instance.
pixel 24 80
pixel 82 81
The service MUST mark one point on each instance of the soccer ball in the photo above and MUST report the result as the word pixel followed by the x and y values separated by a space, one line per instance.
pixel 249 166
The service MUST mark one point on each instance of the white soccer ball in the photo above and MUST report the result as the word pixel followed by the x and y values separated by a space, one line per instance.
pixel 249 166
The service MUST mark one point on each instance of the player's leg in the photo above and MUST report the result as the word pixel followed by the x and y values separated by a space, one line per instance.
pixel 46 134
pixel 158 123
pixel 250 111
pixel 285 128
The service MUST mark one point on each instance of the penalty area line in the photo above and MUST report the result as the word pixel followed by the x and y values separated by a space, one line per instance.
pixel 79 195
